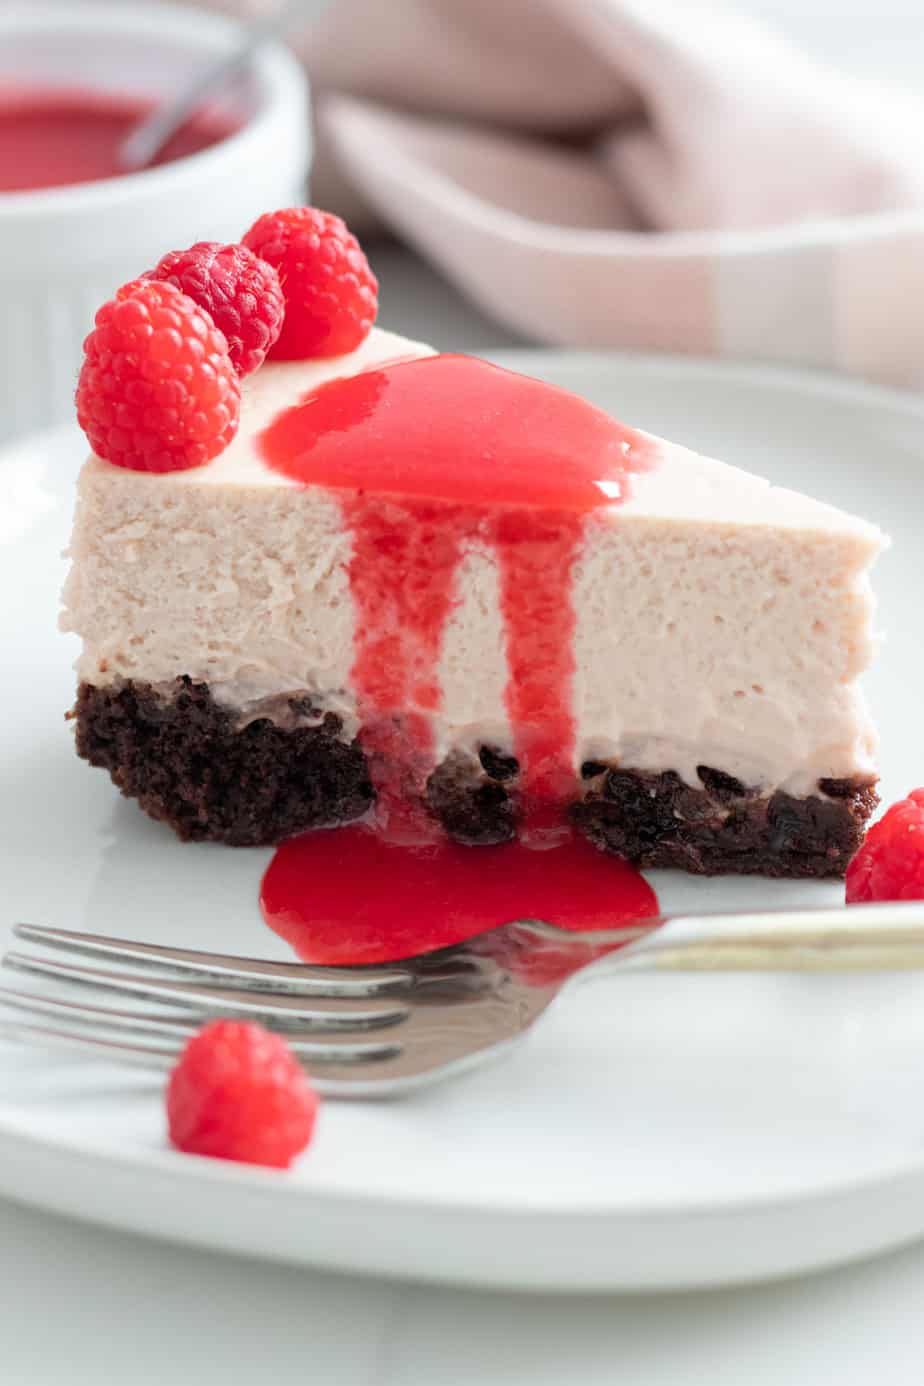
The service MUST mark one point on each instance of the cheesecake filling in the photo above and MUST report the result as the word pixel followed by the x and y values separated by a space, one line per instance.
pixel 711 619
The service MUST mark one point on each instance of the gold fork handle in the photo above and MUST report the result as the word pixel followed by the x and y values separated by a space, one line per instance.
pixel 861 938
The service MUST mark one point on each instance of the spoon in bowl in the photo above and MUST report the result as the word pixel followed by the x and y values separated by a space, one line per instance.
pixel 141 146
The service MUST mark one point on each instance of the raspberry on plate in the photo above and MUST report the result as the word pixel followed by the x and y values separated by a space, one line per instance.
pixel 240 291
pixel 890 864
pixel 331 293
pixel 157 390
pixel 239 1093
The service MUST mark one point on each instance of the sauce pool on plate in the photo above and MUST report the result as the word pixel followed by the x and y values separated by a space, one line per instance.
pixel 351 896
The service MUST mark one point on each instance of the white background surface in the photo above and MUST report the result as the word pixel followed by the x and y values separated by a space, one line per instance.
pixel 81 1306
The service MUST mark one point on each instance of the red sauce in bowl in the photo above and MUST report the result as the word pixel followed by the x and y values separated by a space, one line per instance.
pixel 55 137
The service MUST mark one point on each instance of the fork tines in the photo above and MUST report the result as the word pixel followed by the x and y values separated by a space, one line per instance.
pixel 334 1018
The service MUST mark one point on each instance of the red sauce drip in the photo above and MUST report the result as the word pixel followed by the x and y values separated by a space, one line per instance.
pixel 538 551
pixel 428 457
pixel 401 579
pixel 53 137
pixel 352 896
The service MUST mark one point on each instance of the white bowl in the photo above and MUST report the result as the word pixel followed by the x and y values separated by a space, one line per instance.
pixel 63 251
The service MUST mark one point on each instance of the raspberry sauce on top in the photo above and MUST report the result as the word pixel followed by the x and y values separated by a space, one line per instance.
pixel 455 429
pixel 51 137
pixel 430 457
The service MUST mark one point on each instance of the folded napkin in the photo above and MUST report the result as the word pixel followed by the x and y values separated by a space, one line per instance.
pixel 624 173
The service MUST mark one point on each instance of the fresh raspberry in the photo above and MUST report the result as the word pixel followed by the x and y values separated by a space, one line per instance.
pixel 238 1093
pixel 890 864
pixel 157 390
pixel 331 293
pixel 240 291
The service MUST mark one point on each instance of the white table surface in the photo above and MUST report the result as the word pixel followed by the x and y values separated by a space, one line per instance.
pixel 81 1307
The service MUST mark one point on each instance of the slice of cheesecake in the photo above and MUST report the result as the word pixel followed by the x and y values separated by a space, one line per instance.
pixel 425 589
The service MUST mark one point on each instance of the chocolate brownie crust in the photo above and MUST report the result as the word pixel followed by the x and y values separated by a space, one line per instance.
pixel 191 763
pixel 473 800
pixel 656 820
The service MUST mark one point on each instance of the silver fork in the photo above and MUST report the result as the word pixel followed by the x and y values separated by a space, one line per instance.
pixel 374 1031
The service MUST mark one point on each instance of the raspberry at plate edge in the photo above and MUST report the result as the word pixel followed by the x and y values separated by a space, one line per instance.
pixel 890 863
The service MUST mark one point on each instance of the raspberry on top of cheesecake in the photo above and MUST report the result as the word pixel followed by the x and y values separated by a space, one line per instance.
pixel 445 596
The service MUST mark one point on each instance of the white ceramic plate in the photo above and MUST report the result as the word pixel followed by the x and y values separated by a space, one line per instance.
pixel 656 1131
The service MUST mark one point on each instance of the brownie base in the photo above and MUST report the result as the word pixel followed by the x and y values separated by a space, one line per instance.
pixel 190 763
pixel 657 820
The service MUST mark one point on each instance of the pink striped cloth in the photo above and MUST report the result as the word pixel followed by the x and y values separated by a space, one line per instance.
pixel 624 173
